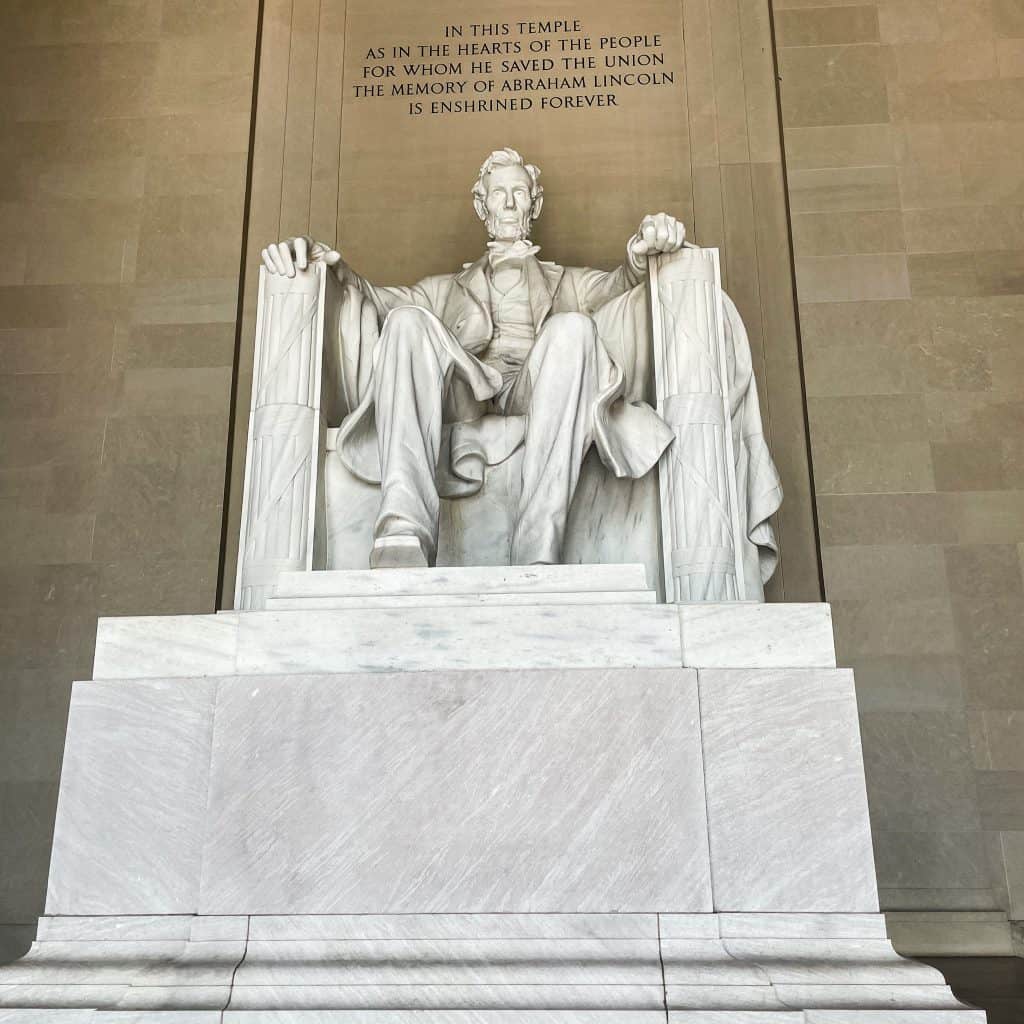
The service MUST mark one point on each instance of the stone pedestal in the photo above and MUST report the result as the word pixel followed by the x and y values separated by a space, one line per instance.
pixel 468 796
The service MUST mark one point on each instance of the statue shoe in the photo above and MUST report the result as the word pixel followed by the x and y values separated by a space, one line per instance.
pixel 402 551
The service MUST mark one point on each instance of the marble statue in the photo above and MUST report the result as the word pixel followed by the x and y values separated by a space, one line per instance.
pixel 509 335
pixel 506 374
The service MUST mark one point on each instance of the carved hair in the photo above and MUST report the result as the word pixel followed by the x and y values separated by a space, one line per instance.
pixel 507 158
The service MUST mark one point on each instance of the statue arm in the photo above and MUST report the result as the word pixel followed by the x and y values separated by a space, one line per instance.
pixel 293 254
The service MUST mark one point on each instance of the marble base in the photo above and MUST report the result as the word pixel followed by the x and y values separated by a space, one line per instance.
pixel 464 969
pixel 468 796
pixel 563 616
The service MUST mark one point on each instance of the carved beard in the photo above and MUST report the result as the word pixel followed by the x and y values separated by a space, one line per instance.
pixel 522 229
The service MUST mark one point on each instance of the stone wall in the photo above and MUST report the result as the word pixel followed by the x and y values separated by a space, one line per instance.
pixel 903 145
pixel 123 145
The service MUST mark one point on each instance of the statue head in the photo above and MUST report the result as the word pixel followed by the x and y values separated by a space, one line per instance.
pixel 508 195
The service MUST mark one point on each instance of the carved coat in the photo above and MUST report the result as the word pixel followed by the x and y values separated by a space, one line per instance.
pixel 628 433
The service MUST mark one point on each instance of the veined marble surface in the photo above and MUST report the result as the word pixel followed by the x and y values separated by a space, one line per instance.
pixel 501 969
pixel 132 810
pixel 787 806
pixel 457 792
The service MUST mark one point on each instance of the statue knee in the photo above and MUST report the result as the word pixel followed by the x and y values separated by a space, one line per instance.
pixel 409 327
pixel 574 333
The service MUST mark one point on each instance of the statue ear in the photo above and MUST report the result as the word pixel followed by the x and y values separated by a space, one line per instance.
pixel 478 205
pixel 538 202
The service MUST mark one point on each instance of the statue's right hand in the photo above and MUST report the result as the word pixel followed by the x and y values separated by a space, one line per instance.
pixel 293 254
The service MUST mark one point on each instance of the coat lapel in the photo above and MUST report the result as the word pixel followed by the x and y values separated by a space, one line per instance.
pixel 543 279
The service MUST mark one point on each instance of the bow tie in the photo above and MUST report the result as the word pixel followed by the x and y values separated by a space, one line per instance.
pixel 517 252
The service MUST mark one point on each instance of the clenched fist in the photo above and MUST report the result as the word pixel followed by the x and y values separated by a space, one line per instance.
pixel 658 232
pixel 293 254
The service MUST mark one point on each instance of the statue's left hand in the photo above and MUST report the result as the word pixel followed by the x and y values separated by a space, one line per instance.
pixel 658 232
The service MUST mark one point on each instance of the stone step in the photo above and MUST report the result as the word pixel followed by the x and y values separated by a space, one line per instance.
pixel 465 580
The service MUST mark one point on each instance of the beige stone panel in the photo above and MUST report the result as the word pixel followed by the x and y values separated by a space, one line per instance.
pixel 323 202
pixel 930 860
pixel 230 52
pixel 213 93
pixel 988 517
pixel 149 512
pixel 61 305
pixel 959 60
pixel 1008 18
pixel 189 236
pixel 913 20
pixel 730 85
pixel 1010 57
pixel 827 25
pixel 978 416
pixel 934 741
pixel 32 442
pixel 30 394
pixel 994 99
pixel 968 466
pixel 1001 800
pixel 864 370
pixel 1000 273
pixel 991 321
pixel 889 519
pixel 873 468
pixel 46 22
pixel 173 346
pixel 47 180
pixel 838 232
pixel 841 146
pixel 28 536
pixel 700 83
pixel 177 134
pixel 173 391
pixel 1005 734
pixel 760 83
pixel 195 174
pixel 930 185
pixel 64 141
pixel 942 274
pixel 980 756
pixel 186 301
pixel 889 419
pixel 922 625
pixel 208 18
pixel 992 182
pixel 983 570
pixel 297 171
pixel 1012 849
pixel 84 348
pixel 896 323
pixel 888 571
pixel 830 85
pixel 986 142
pixel 149 587
pixel 40 67
pixel 847 278
pixel 708 215
pixel 89 99
pixel 81 241
pixel 908 682
pixel 821 190
pixel 167 440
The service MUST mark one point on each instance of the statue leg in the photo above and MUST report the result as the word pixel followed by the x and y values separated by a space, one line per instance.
pixel 411 373
pixel 556 390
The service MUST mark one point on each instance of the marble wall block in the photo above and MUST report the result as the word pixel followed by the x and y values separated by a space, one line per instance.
pixel 787 808
pixel 130 819
pixel 527 791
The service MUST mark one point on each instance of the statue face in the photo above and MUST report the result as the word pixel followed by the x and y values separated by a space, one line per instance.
pixel 509 203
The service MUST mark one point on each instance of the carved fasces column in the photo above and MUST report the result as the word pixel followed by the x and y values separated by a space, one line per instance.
pixel 286 432
pixel 697 475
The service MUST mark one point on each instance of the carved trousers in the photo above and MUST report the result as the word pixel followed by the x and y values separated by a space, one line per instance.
pixel 556 391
